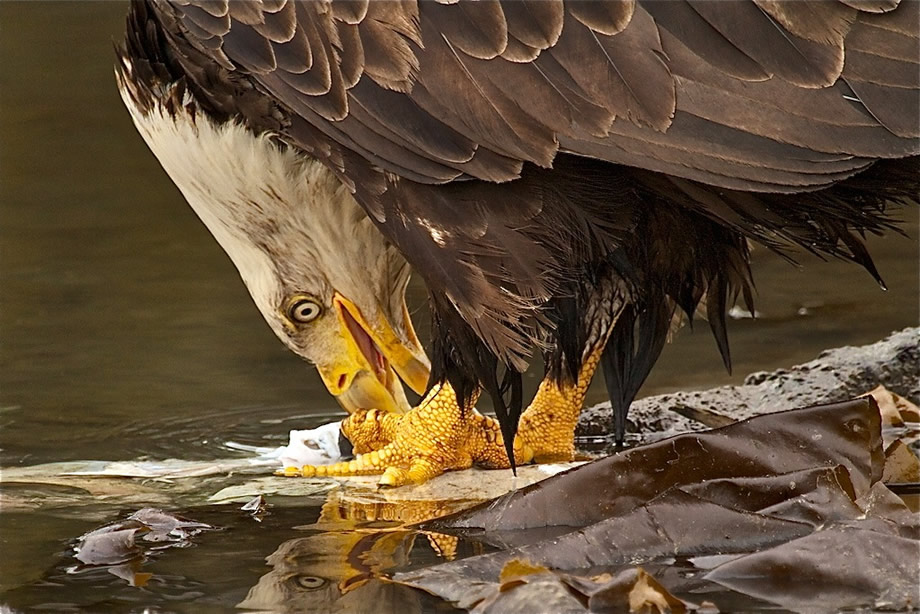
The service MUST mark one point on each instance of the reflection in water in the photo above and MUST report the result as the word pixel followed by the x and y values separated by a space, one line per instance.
pixel 344 568
pixel 336 572
pixel 340 562
pixel 341 509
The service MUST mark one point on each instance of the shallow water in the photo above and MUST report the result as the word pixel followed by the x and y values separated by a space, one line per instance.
pixel 125 332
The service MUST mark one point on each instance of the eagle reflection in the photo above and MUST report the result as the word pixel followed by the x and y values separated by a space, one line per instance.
pixel 344 567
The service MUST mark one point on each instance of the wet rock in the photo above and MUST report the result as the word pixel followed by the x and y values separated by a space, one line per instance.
pixel 835 375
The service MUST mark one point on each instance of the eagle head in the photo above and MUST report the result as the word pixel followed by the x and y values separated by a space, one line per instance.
pixel 319 271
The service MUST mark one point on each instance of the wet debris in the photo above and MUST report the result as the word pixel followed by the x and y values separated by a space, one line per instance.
pixel 167 527
pixel 256 507
pixel 274 487
pixel 544 590
pixel 454 489
pixel 735 517
pixel 524 587
pixel 123 546
pixel 706 417
pixel 632 588
pixel 111 544
pixel 323 445
pixel 896 410
pixel 901 465
pixel 847 566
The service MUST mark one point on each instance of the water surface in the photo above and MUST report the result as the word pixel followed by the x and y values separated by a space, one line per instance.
pixel 126 333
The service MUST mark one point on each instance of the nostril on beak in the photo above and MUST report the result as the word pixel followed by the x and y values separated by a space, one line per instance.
pixel 342 379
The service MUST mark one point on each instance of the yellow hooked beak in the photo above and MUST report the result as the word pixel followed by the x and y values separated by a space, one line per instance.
pixel 365 375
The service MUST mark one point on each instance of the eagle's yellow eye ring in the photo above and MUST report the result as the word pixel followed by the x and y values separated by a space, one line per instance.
pixel 303 310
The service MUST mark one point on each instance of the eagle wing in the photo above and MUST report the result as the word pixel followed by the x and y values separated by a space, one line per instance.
pixel 760 95
pixel 410 101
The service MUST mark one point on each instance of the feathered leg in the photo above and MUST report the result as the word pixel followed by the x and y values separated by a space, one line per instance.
pixel 547 428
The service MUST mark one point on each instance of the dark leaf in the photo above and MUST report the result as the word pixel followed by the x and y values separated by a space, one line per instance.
pixel 741 514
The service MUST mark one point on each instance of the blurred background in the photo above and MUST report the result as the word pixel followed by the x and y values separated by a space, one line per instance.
pixel 126 332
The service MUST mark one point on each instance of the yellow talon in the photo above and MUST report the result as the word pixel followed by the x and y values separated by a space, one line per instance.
pixel 393 476
pixel 435 437
pixel 546 433
pixel 439 436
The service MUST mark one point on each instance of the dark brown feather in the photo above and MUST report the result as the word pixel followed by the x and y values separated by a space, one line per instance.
pixel 822 22
pixel 216 23
pixel 249 49
pixel 478 109
pixel 410 126
pixel 388 32
pixel 519 110
pixel 625 72
pixel 688 28
pixel 801 62
pixel 535 23
pixel 888 105
pixel 215 8
pixel 278 26
pixel 350 55
pixel 203 38
pixel 867 38
pixel 882 71
pixel 477 29
pixel 516 51
pixel 316 81
pixel 591 116
pixel 905 21
pixel 352 12
pixel 273 6
pixel 249 13
pixel 604 17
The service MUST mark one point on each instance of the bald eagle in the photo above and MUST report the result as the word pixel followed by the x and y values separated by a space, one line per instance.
pixel 568 178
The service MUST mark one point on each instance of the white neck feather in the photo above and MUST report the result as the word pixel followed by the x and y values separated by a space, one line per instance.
pixel 269 207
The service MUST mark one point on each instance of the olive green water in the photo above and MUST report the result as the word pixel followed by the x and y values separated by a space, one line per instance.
pixel 125 332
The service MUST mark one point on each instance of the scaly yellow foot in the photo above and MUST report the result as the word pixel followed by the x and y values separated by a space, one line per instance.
pixel 370 429
pixel 546 432
pixel 435 437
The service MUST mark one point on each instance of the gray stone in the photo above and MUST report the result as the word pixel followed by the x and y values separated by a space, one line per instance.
pixel 835 375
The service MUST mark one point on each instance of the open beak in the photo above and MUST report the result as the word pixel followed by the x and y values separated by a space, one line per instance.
pixel 367 375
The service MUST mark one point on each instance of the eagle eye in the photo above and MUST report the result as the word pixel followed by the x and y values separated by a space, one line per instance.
pixel 310 582
pixel 303 310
